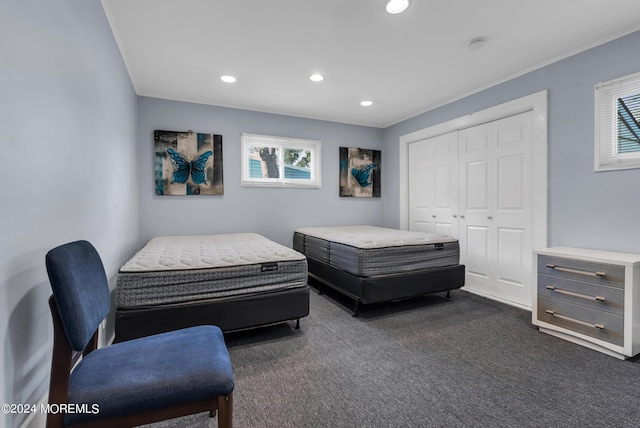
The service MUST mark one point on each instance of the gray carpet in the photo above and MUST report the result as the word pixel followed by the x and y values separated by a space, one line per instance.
pixel 425 362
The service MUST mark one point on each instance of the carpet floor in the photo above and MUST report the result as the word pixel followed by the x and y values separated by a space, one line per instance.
pixel 426 362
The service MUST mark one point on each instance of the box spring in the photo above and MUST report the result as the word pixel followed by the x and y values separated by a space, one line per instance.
pixel 380 265
pixel 370 251
pixel 173 281
pixel 229 313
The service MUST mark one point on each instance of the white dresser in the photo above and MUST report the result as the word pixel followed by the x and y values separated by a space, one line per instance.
pixel 589 297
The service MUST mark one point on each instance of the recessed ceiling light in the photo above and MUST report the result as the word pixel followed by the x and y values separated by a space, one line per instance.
pixel 228 79
pixel 366 103
pixel 397 6
pixel 316 77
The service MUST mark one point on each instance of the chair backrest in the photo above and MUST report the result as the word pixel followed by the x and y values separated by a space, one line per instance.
pixel 80 290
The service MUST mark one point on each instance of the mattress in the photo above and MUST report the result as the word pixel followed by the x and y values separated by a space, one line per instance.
pixel 369 250
pixel 182 269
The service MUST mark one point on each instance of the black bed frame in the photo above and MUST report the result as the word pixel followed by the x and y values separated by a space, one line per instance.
pixel 229 313
pixel 385 288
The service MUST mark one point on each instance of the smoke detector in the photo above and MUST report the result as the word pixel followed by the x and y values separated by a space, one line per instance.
pixel 477 43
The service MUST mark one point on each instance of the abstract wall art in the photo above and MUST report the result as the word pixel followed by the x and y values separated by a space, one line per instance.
pixel 188 163
pixel 359 172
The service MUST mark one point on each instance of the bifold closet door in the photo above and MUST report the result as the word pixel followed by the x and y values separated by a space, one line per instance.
pixel 496 208
pixel 433 185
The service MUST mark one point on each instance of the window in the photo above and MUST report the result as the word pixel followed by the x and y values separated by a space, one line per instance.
pixel 280 162
pixel 618 124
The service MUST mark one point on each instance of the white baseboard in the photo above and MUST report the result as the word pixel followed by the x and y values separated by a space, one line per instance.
pixel 497 299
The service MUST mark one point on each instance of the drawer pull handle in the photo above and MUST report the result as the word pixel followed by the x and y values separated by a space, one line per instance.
pixel 571 293
pixel 577 321
pixel 578 271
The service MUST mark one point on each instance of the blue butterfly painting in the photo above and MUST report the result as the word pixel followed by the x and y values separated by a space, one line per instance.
pixel 197 168
pixel 362 175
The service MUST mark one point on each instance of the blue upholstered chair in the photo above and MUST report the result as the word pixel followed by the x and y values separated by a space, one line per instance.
pixel 130 383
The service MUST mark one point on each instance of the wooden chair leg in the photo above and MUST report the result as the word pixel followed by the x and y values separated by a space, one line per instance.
pixel 225 411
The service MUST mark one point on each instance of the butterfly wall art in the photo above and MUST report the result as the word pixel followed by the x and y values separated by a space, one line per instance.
pixel 188 163
pixel 359 172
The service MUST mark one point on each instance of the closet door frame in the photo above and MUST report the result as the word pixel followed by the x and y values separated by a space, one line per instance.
pixel 537 103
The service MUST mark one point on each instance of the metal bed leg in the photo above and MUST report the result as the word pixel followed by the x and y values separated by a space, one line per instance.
pixel 355 308
pixel 448 294
pixel 298 324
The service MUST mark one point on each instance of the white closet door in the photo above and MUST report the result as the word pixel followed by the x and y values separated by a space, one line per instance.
pixel 433 185
pixel 496 208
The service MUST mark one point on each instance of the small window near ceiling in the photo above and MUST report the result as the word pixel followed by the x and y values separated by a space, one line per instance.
pixel 618 124
pixel 628 126
pixel 280 162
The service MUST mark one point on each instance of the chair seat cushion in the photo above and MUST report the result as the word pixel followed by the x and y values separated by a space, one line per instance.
pixel 151 373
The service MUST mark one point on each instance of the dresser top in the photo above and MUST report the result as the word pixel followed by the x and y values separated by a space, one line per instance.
pixel 610 257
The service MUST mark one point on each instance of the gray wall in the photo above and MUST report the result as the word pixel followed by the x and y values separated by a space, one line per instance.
pixel 68 169
pixel 272 212
pixel 586 209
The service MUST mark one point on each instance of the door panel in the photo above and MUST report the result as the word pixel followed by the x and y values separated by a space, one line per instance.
pixel 421 185
pixel 497 197
pixel 420 181
pixel 476 141
pixel 442 187
pixel 433 185
pixel 477 249
pixel 476 185
pixel 511 255
pixel 511 183
pixel 444 229
pixel 510 133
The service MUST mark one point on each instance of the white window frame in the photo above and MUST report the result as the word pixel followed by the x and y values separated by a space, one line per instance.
pixel 606 156
pixel 281 143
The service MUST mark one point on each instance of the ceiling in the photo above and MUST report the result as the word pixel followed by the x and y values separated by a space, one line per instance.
pixel 405 64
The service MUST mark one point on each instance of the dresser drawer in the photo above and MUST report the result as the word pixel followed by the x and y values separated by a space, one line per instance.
pixel 597 273
pixel 590 322
pixel 594 296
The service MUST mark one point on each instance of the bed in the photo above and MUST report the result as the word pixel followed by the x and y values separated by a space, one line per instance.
pixel 235 281
pixel 373 264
